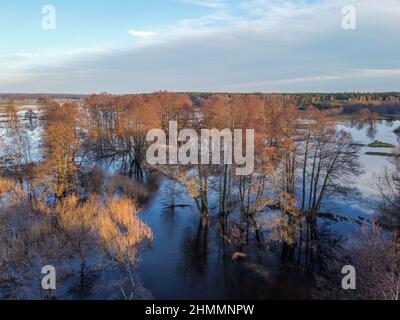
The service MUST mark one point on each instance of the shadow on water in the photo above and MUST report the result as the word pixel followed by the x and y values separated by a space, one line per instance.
pixel 187 261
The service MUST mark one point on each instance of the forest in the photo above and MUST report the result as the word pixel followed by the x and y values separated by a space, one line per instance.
pixel 75 185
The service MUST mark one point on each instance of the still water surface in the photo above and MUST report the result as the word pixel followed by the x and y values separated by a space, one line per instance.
pixel 185 263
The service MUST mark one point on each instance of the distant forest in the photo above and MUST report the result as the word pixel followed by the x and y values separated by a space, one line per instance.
pixel 351 103
pixel 384 103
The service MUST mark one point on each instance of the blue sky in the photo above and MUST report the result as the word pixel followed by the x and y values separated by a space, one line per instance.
pixel 123 46
pixel 86 23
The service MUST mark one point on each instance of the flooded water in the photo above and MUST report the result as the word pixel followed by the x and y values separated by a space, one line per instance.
pixel 373 165
pixel 32 132
pixel 185 263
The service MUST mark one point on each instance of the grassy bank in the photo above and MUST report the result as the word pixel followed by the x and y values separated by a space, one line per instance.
pixel 380 144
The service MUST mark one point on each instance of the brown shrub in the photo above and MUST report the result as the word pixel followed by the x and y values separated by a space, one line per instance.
pixel 118 184
pixel 115 225
pixel 11 187
pixel 33 236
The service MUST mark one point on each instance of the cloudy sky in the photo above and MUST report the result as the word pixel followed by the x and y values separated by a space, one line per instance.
pixel 129 46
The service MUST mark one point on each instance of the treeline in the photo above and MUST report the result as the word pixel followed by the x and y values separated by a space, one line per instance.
pixel 387 103
pixel 380 109
pixel 39 96
pixel 349 103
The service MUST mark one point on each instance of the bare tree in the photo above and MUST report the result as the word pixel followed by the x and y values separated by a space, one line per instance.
pixel 388 186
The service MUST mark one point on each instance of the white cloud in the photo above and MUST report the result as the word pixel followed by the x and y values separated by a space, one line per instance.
pixel 27 55
pixel 142 34
pixel 205 3
pixel 270 46
pixel 351 74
